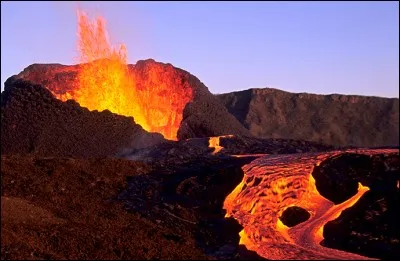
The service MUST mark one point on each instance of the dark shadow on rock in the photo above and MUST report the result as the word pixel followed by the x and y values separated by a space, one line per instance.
pixel 206 116
pixel 238 105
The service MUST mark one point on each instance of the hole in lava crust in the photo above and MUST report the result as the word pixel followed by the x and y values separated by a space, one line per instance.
pixel 294 215
pixel 337 178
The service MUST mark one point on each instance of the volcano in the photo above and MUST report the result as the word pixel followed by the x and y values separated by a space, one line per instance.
pixel 203 116
pixel 109 160
pixel 160 97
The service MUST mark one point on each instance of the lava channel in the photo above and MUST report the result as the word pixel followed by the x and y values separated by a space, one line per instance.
pixel 273 183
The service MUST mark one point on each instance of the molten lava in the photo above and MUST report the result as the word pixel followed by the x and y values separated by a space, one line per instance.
pixel 104 82
pixel 213 142
pixel 272 184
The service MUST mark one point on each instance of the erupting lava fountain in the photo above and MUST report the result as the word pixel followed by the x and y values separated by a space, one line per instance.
pixel 104 81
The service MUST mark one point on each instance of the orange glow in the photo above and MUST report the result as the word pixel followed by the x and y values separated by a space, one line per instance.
pixel 104 82
pixel 244 240
pixel 275 182
pixel 283 230
pixel 213 142
pixel 248 155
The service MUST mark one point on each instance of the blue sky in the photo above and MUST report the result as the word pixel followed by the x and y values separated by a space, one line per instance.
pixel 316 47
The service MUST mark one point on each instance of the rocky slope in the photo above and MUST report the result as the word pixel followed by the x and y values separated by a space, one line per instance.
pixel 33 121
pixel 340 120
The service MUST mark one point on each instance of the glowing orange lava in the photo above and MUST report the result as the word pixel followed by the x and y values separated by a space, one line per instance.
pixel 156 100
pixel 214 143
pixel 275 182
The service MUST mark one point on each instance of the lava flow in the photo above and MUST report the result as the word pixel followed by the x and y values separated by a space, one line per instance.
pixel 105 82
pixel 272 184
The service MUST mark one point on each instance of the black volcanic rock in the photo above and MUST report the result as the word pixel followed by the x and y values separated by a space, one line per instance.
pixel 249 145
pixel 371 226
pixel 33 121
pixel 183 151
pixel 340 120
pixel 202 117
pixel 337 177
